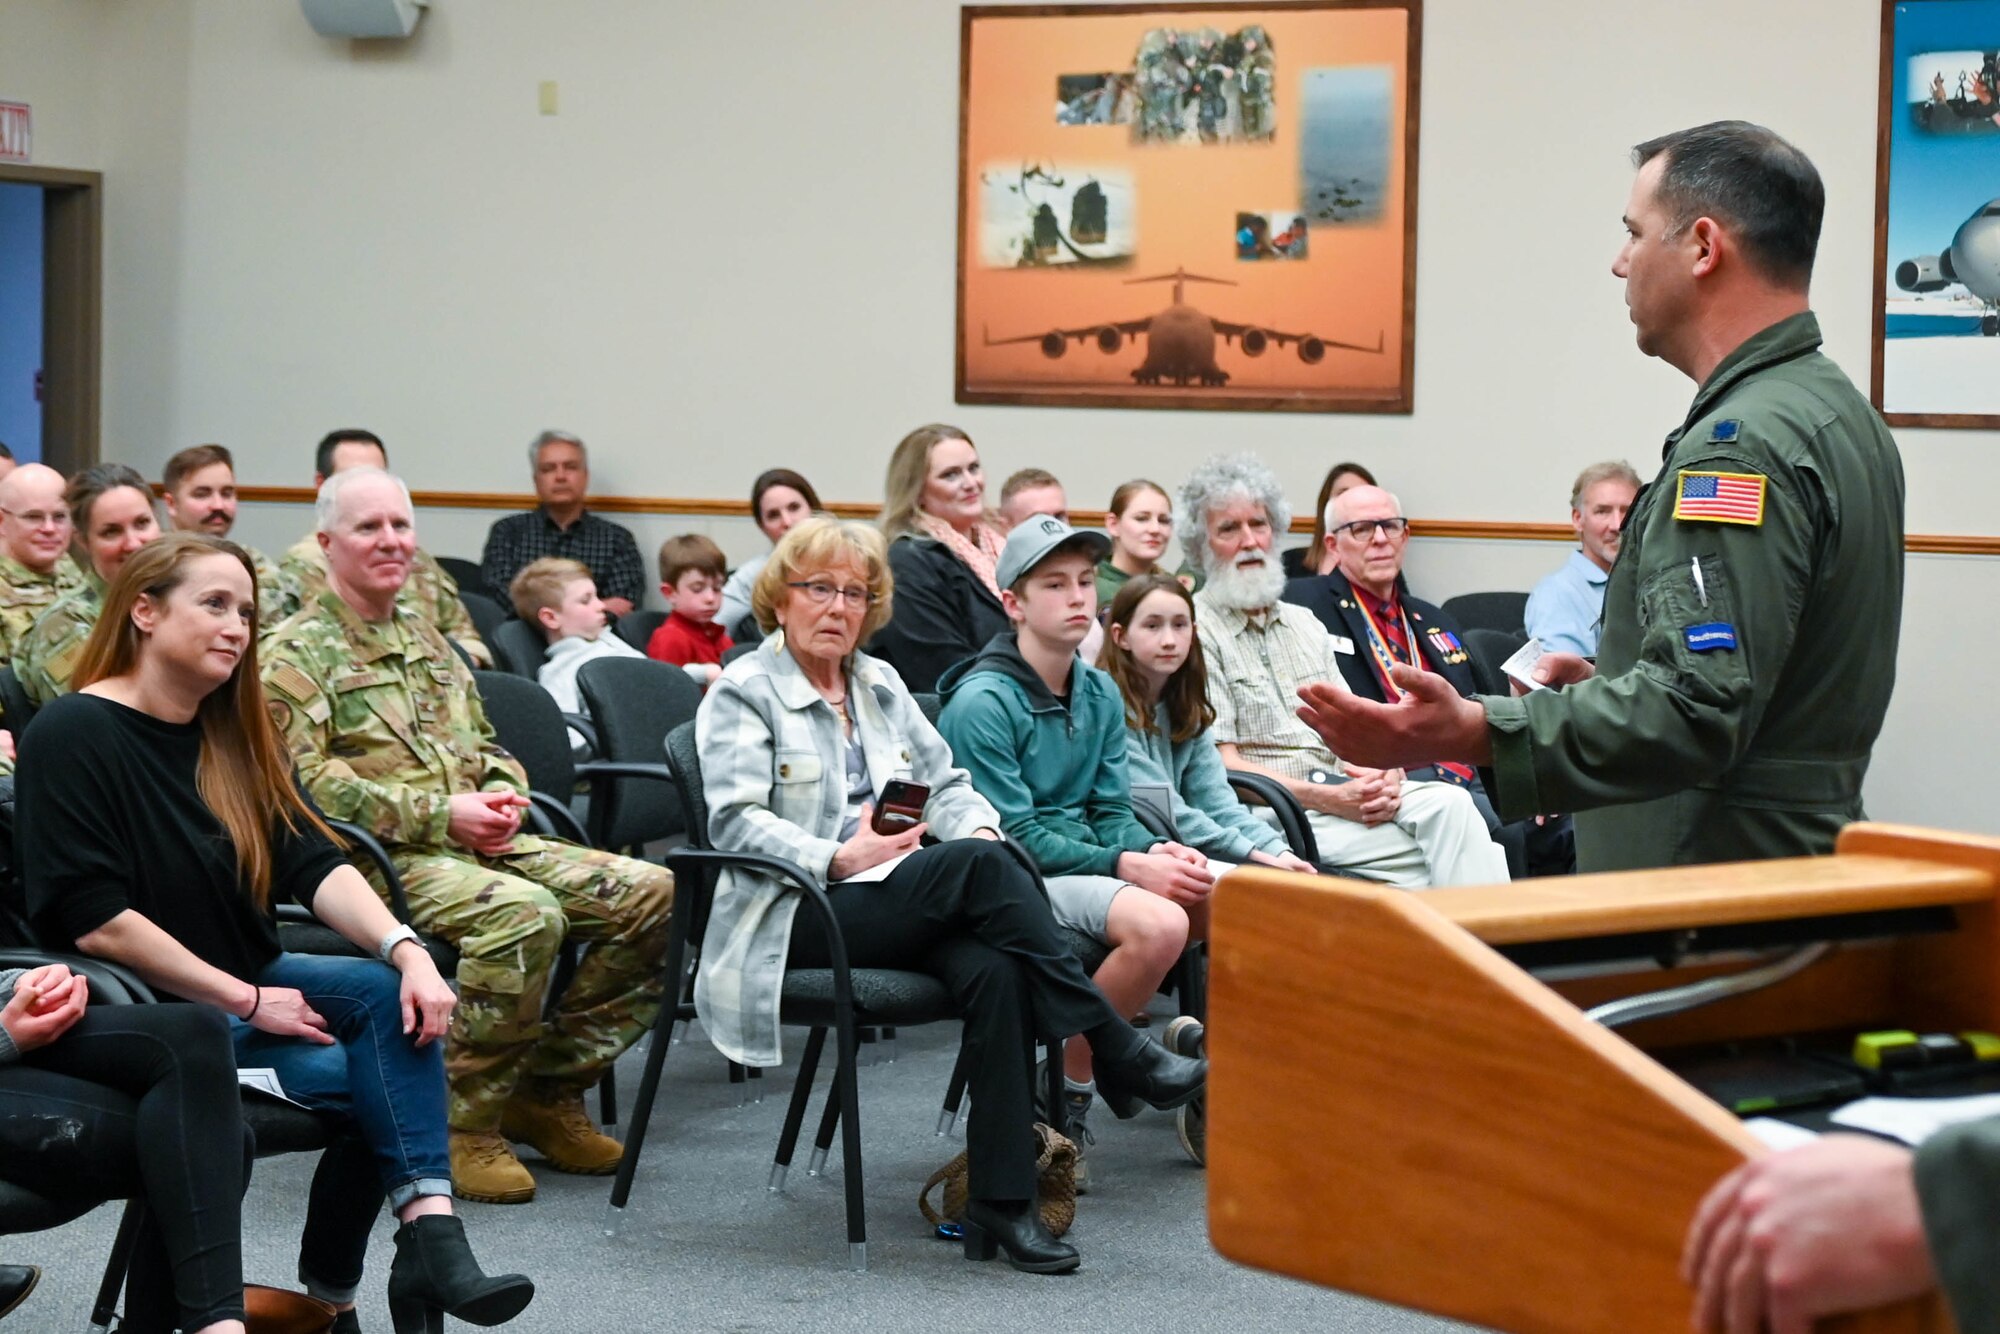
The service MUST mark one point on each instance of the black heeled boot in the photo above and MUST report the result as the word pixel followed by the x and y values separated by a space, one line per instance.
pixel 434 1275
pixel 1148 1073
pixel 1030 1246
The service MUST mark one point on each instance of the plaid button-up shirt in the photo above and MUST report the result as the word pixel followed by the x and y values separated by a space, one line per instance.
pixel 606 547
pixel 1256 664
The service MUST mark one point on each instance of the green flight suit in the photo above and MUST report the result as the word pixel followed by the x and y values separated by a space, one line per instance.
pixel 386 726
pixel 431 592
pixel 1732 719
pixel 1958 1180
pixel 46 657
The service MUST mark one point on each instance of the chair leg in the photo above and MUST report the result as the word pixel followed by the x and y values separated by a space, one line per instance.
pixel 830 1116
pixel 954 1096
pixel 115 1265
pixel 607 1101
pixel 847 1084
pixel 635 1134
pixel 1058 1104
pixel 795 1112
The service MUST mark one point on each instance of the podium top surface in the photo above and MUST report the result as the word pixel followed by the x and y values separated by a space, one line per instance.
pixel 1574 907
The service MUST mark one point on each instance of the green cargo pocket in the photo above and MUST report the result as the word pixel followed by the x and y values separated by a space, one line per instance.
pixel 496 979
pixel 1691 633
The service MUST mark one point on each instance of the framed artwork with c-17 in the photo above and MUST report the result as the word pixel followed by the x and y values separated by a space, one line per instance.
pixel 1189 205
pixel 1936 349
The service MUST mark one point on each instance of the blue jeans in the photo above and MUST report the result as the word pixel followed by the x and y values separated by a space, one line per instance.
pixel 375 1076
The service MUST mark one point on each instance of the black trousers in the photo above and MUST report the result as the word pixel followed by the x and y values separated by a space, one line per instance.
pixel 142 1100
pixel 971 913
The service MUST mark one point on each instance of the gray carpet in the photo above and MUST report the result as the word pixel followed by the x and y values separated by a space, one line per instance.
pixel 705 1247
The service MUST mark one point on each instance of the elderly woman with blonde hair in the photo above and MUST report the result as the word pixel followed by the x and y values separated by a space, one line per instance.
pixel 797 742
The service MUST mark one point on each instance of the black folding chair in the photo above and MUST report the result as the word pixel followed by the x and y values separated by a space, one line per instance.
pixel 470 577
pixel 17 710
pixel 636 627
pixel 839 998
pixel 518 647
pixel 1488 649
pixel 1491 611
pixel 487 615
pixel 634 703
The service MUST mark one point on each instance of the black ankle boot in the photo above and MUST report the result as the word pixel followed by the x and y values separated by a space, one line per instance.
pixel 1148 1073
pixel 1030 1246
pixel 434 1275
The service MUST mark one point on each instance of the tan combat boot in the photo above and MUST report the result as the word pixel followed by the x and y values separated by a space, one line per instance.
pixel 550 1119
pixel 484 1168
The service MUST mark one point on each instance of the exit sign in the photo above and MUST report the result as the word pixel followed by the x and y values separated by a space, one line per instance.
pixel 14 140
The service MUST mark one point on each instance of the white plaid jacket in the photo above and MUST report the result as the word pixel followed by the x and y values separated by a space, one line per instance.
pixel 774 769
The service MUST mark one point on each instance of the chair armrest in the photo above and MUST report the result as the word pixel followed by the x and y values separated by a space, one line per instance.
pixel 124 986
pixel 594 769
pixel 371 847
pixel 551 818
pixel 784 870
pixel 1291 815
pixel 582 725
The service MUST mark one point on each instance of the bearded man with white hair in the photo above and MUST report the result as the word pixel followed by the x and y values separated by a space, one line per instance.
pixel 1370 823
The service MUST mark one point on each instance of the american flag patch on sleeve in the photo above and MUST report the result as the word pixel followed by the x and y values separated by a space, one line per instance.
pixel 1720 497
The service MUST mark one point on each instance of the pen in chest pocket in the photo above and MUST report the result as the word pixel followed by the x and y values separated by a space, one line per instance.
pixel 1700 584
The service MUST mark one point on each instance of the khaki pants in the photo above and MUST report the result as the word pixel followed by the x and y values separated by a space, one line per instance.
pixel 1438 838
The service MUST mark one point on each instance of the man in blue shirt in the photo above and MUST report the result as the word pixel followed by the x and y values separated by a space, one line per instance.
pixel 1566 609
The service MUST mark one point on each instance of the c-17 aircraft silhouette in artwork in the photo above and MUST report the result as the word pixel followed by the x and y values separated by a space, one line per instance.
pixel 1180 340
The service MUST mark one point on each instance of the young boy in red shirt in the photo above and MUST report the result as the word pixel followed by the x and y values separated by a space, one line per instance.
pixel 692 572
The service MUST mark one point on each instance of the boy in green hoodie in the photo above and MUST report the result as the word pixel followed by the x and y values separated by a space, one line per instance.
pixel 1043 736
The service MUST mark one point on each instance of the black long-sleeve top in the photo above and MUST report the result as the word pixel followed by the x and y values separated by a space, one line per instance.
pixel 108 818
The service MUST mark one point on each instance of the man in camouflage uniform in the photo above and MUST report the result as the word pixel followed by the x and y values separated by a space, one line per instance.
pixel 430 592
pixel 112 509
pixel 199 486
pixel 35 565
pixel 389 732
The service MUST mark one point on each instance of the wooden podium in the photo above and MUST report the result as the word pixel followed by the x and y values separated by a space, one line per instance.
pixel 1397 1110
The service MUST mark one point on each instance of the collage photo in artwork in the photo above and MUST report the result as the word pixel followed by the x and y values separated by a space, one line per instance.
pixel 1211 91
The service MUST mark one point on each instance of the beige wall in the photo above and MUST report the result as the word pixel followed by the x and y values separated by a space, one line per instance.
pixel 734 247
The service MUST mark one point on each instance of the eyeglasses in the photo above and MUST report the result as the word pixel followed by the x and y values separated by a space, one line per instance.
pixel 820 594
pixel 41 518
pixel 1365 529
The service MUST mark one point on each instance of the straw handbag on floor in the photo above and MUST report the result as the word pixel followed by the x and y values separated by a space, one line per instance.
pixel 1055 1173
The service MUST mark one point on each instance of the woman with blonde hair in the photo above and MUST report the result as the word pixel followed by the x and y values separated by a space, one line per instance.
pixel 160 819
pixel 943 548
pixel 1140 522
pixel 798 743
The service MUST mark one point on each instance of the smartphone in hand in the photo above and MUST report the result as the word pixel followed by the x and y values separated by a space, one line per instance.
pixel 900 807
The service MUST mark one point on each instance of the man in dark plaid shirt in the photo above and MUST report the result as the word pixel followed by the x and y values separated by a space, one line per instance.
pixel 561 526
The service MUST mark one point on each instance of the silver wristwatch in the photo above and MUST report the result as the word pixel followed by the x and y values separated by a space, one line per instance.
pixel 404 931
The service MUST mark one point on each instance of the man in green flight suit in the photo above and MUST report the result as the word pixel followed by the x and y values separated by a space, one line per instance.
pixel 1750 623
pixel 388 731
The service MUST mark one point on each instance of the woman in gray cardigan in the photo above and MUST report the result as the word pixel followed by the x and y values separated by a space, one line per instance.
pixel 797 740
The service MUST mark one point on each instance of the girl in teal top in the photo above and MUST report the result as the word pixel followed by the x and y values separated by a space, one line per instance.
pixel 1149 650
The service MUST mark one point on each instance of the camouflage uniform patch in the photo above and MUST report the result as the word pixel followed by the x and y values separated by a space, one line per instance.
pixel 46 656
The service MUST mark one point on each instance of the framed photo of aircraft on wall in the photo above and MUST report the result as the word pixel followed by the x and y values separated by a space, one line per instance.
pixel 1189 205
pixel 1936 355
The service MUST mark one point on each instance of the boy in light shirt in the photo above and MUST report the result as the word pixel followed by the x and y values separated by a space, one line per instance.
pixel 560 597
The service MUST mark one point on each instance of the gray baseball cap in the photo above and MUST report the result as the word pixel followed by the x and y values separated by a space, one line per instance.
pixel 1036 538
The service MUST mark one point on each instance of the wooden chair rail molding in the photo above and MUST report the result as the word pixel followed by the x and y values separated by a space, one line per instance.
pixel 1928 543
pixel 1396 1110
